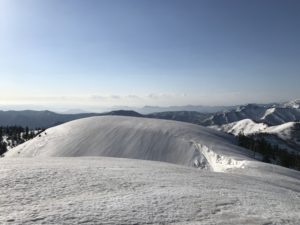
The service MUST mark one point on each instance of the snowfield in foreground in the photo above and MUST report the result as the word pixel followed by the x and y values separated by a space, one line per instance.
pixel 126 191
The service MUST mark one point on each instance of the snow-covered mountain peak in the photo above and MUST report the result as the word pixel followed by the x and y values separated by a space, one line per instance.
pixel 293 104
pixel 268 112
pixel 245 126
pixel 139 138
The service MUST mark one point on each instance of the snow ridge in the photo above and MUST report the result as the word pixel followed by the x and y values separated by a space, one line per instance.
pixel 219 163
pixel 137 138
pixel 248 127
pixel 272 115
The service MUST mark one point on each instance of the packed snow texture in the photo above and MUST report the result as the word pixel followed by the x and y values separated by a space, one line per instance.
pixel 125 191
pixel 138 138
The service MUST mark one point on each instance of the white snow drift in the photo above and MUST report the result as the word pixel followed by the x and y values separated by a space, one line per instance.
pixel 138 138
pixel 125 191
pixel 99 190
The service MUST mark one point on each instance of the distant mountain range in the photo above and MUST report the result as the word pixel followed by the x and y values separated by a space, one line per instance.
pixel 269 114
pixel 46 119
pixel 248 119
pixel 286 135
pixel 184 116
pixel 193 108
pixel 278 123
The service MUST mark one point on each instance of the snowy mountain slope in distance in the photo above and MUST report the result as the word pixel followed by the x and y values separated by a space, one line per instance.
pixel 292 104
pixel 139 138
pixel 125 191
pixel 245 126
pixel 271 115
pixel 286 135
pixel 285 131
pixel 289 132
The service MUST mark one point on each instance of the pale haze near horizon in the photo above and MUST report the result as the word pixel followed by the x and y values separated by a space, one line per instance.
pixel 97 54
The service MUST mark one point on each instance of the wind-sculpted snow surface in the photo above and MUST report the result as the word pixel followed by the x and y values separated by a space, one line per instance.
pixel 100 190
pixel 126 191
pixel 138 138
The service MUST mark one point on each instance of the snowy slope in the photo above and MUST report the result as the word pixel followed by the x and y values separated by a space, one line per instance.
pixel 286 136
pixel 125 191
pixel 283 130
pixel 138 138
pixel 272 115
pixel 246 126
pixel 287 131
pixel 292 104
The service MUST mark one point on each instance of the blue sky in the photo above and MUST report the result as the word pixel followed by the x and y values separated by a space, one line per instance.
pixel 148 52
